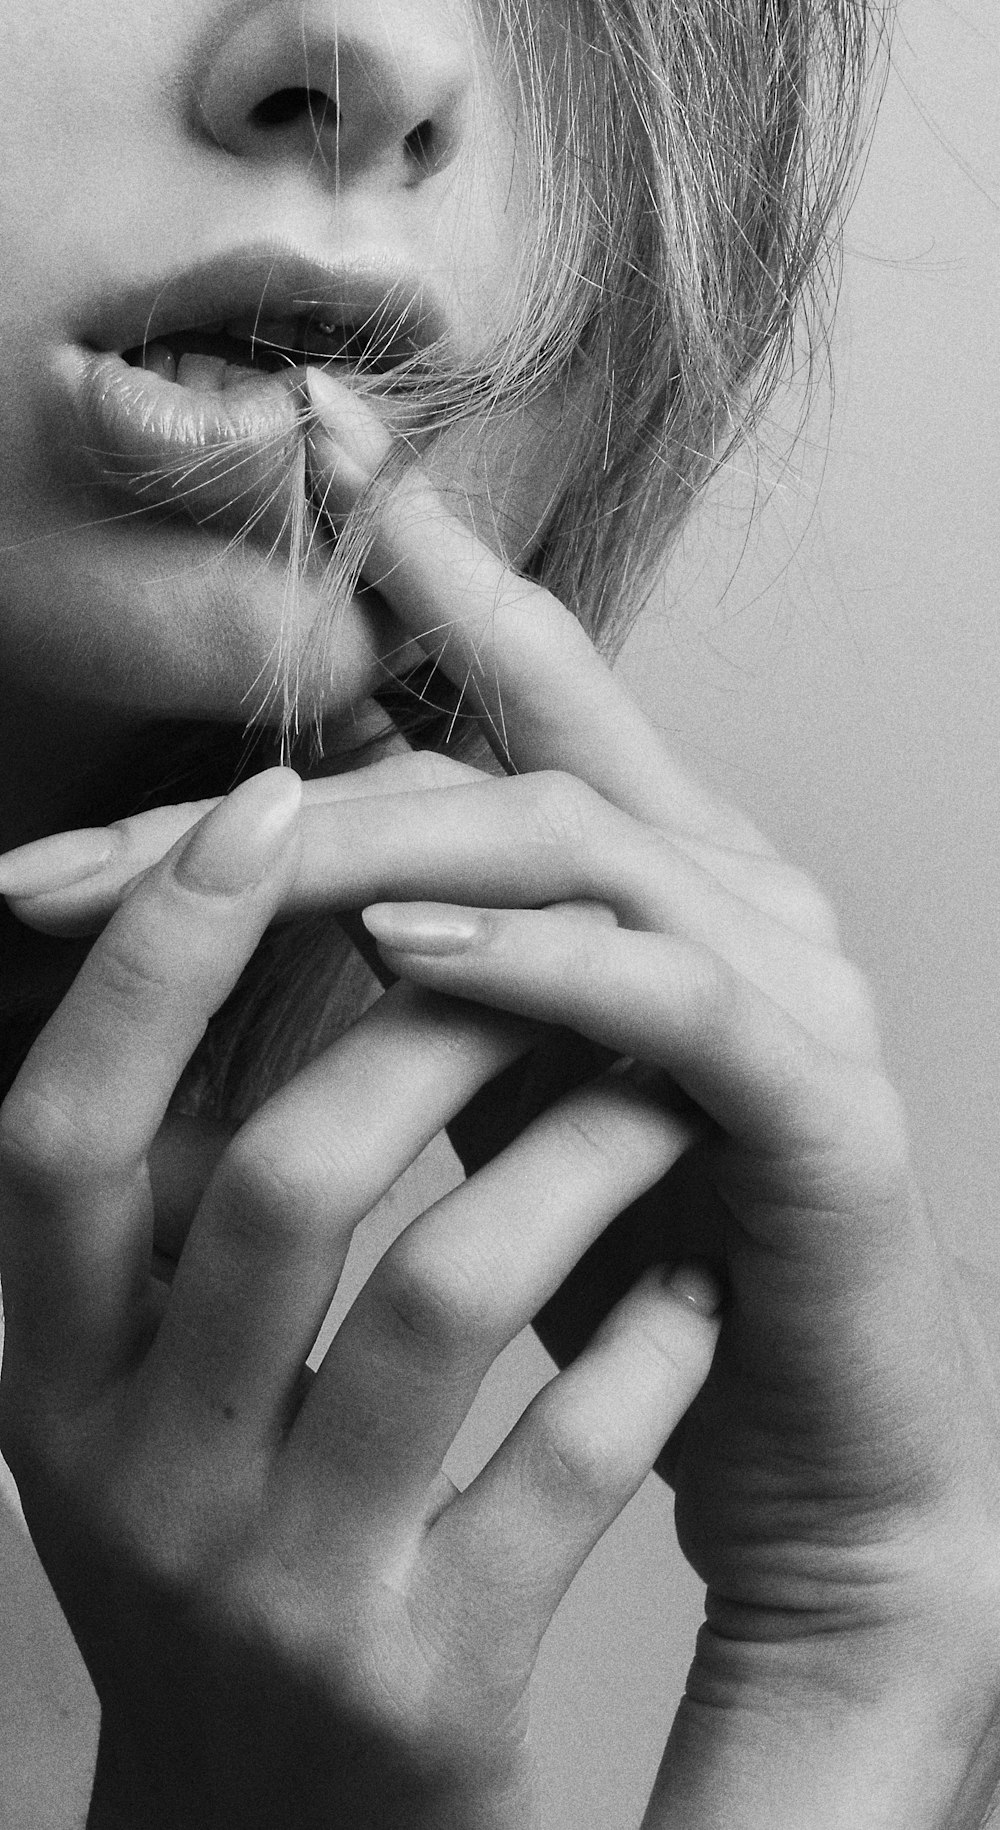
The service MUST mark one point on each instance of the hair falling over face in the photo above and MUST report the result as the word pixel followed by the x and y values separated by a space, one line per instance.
pixel 688 163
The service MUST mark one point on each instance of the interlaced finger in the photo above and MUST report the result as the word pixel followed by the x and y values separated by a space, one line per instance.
pixel 545 838
pixel 71 883
pixel 526 1524
pixel 455 1289
pixel 268 1244
pixel 763 1077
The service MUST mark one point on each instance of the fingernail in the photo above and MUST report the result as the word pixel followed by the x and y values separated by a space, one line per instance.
pixel 695 1286
pixel 416 927
pixel 234 846
pixel 353 430
pixel 55 863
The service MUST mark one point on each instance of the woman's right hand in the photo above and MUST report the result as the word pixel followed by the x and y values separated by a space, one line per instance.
pixel 289 1614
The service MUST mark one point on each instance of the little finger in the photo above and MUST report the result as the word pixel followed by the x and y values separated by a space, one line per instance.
pixel 580 1452
pixel 763 1077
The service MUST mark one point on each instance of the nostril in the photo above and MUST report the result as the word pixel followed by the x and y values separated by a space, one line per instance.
pixel 287 105
pixel 421 144
pixel 297 80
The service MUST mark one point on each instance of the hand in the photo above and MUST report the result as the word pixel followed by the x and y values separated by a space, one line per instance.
pixel 290 1616
pixel 837 1480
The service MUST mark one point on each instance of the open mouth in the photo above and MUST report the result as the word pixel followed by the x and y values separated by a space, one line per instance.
pixel 217 357
pixel 186 394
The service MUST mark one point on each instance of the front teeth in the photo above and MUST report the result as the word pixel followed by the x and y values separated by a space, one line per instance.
pixel 295 338
pixel 205 372
pixel 211 374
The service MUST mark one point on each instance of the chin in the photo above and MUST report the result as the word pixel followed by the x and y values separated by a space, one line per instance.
pixel 166 619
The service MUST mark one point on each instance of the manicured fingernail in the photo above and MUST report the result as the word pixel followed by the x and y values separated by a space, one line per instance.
pixel 695 1286
pixel 55 863
pixel 351 439
pixel 234 846
pixel 419 927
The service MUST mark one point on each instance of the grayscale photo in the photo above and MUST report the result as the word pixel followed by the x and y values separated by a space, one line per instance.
pixel 499 976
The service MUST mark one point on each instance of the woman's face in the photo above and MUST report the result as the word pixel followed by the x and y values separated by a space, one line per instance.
pixel 173 179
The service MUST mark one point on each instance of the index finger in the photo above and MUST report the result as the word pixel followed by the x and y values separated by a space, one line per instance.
pixel 71 883
pixel 548 699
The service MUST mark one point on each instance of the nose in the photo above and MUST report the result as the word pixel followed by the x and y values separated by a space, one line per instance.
pixel 369 87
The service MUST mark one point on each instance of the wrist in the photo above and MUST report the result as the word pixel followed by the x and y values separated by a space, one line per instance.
pixel 138 1790
pixel 762 1743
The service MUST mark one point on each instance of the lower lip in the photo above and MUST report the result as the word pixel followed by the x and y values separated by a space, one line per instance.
pixel 233 460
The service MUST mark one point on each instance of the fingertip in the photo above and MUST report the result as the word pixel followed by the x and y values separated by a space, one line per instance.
pixel 432 930
pixel 56 863
pixel 346 440
pixel 67 914
pixel 694 1286
pixel 237 845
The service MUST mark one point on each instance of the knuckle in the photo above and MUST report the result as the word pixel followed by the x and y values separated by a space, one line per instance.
pixel 435 1299
pixel 587 1461
pixel 803 906
pixel 855 1141
pixel 595 1128
pixel 563 810
pixel 268 1193
pixel 706 990
pixel 131 966
pixel 672 1344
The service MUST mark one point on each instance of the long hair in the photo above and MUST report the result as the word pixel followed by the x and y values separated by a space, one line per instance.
pixel 690 162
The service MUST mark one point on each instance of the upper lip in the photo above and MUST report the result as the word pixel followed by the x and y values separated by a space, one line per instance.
pixel 369 290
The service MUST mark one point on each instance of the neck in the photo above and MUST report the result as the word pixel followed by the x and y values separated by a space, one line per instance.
pixel 52 761
pixel 55 763
pixel 62 766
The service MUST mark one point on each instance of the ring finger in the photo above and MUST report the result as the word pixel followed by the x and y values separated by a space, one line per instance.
pixel 457 1287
